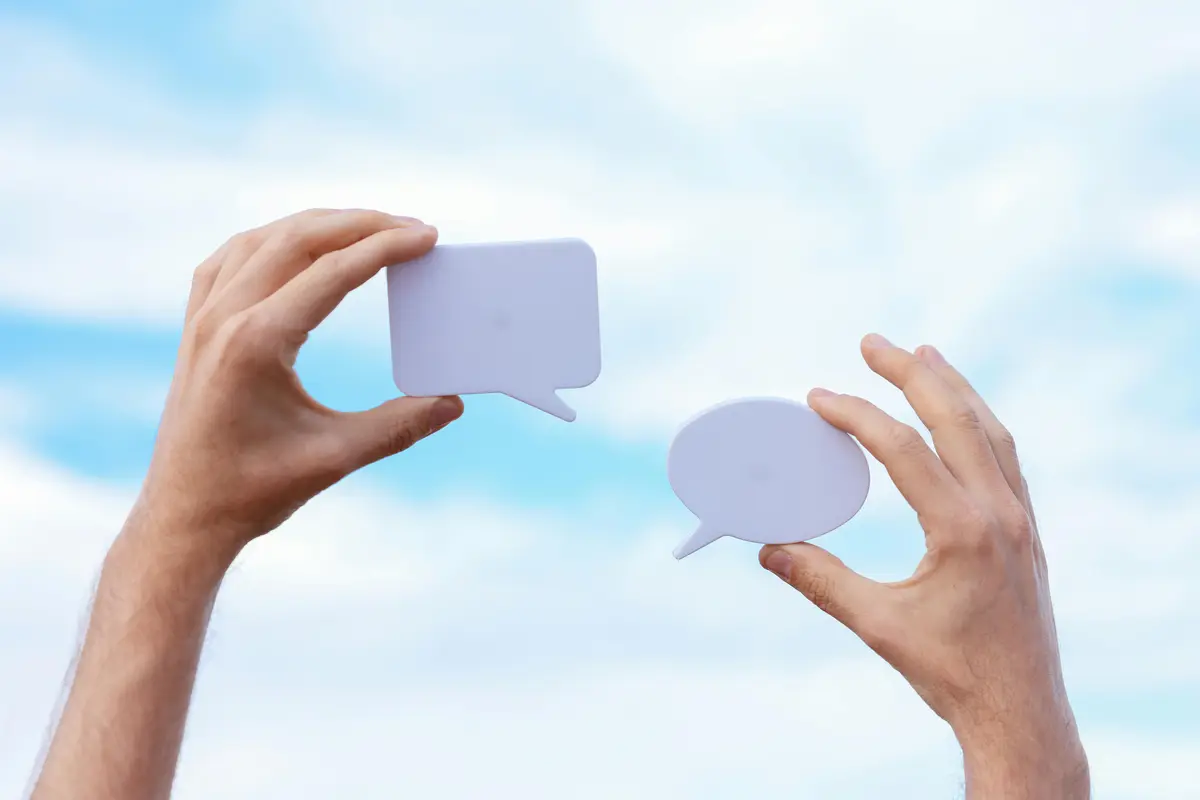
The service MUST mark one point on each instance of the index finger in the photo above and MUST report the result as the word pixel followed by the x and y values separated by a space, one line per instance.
pixel 307 299
pixel 918 473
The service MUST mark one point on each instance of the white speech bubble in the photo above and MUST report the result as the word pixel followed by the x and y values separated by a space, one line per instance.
pixel 765 470
pixel 517 318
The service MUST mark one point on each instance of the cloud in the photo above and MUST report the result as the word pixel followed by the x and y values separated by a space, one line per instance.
pixel 1170 234
pixel 758 278
pixel 456 631
pixel 764 185
pixel 451 631
pixel 674 731
pixel 1158 768
pixel 935 58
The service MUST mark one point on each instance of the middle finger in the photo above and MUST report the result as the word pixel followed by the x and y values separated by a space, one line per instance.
pixel 958 434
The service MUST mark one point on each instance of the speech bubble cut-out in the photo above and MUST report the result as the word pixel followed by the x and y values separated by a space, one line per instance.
pixel 516 318
pixel 765 470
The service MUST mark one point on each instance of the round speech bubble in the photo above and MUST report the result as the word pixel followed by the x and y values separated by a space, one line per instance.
pixel 765 470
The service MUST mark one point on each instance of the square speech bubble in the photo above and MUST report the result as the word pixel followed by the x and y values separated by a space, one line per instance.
pixel 517 318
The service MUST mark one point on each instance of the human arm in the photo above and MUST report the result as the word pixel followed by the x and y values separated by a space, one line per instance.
pixel 973 629
pixel 240 447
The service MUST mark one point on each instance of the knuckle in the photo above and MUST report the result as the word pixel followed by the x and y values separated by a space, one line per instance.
pixel 241 336
pixel 975 530
pixel 962 417
pixel 330 263
pixel 245 325
pixel 905 440
pixel 1017 524
pixel 244 242
pixel 204 325
pixel 817 588
pixel 1005 439
pixel 206 273
pixel 1025 489
pixel 289 238
pixel 375 219
pixel 400 435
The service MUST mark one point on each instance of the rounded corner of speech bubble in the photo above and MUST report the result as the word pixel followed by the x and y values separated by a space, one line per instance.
pixel 769 438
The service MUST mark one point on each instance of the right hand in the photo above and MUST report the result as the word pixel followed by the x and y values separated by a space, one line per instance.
pixel 242 445
pixel 973 629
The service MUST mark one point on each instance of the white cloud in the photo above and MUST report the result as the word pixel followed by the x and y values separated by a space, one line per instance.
pixel 671 731
pixel 370 598
pixel 977 178
pixel 452 632
pixel 875 59
pixel 1159 768
pixel 757 284
pixel 1171 234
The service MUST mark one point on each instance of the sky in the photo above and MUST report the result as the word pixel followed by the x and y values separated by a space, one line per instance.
pixel 496 613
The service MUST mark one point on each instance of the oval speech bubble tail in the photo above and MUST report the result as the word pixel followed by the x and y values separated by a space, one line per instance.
pixel 549 402
pixel 703 537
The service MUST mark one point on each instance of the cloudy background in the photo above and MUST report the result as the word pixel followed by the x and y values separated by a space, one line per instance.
pixel 497 613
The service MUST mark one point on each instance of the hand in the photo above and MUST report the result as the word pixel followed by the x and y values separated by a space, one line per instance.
pixel 241 444
pixel 240 447
pixel 972 630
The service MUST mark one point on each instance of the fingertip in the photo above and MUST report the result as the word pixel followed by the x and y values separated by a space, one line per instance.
pixel 818 395
pixel 874 341
pixel 426 236
pixel 777 560
pixel 829 406
pixel 444 411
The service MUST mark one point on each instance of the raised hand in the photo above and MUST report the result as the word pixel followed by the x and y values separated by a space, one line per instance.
pixel 973 629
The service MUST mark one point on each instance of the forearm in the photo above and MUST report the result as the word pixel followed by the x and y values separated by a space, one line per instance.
pixel 1010 765
pixel 122 725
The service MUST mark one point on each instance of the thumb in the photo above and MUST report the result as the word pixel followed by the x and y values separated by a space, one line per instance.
pixel 822 577
pixel 395 426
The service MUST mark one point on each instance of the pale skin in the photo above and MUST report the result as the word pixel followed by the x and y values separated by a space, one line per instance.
pixel 242 446
pixel 973 629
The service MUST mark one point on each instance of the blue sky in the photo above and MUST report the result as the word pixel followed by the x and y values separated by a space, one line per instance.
pixel 497 613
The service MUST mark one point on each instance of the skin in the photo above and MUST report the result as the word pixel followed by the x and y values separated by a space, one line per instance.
pixel 240 447
pixel 973 629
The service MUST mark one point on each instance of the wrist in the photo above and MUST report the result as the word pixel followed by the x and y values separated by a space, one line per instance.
pixel 154 545
pixel 1025 762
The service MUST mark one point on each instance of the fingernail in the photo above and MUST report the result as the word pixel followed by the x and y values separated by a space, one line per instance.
pixel 819 394
pixel 875 340
pixel 780 563
pixel 930 355
pixel 407 222
pixel 444 411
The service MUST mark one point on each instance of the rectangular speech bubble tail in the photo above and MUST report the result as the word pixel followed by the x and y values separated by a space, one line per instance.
pixel 549 402
pixel 703 537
